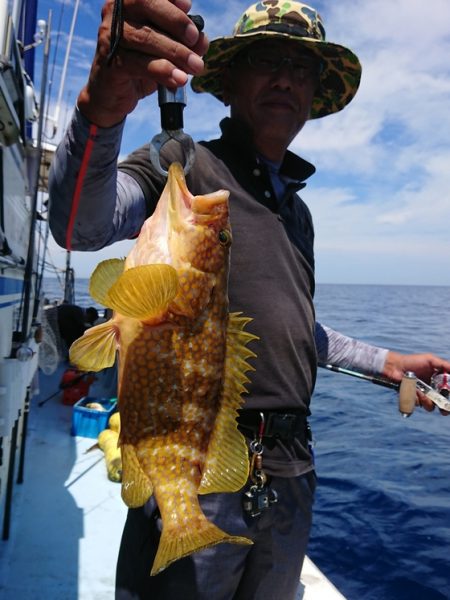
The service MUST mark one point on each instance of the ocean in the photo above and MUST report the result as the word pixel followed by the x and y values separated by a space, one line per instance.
pixel 382 513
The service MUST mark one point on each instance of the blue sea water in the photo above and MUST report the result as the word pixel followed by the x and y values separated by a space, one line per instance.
pixel 382 514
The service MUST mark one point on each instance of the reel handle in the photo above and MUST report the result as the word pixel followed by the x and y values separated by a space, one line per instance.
pixel 407 394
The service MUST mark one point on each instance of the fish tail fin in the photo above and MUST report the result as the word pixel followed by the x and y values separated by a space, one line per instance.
pixel 174 545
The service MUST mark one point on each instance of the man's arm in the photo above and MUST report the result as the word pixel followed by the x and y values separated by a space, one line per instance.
pixel 91 205
pixel 338 349
pixel 343 351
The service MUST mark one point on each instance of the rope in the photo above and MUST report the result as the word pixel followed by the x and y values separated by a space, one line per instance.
pixel 116 30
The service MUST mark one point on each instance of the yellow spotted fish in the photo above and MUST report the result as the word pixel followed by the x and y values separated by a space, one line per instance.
pixel 182 365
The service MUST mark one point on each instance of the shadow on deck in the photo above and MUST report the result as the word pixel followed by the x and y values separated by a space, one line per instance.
pixel 67 517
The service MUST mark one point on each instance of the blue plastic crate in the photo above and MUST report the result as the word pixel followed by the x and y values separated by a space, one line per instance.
pixel 90 422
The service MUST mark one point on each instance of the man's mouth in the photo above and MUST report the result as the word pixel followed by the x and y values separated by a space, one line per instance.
pixel 280 103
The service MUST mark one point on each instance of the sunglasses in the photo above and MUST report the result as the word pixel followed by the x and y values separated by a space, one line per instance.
pixel 267 60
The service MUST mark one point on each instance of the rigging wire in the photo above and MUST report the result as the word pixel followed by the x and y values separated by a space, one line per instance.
pixel 42 260
pixel 55 55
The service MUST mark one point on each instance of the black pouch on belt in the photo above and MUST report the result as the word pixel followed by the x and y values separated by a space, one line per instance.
pixel 284 425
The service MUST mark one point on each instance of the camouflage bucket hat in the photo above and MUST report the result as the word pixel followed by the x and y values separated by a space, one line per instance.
pixel 290 20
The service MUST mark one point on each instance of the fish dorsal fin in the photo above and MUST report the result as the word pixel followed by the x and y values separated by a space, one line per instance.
pixel 136 486
pixel 144 292
pixel 226 466
pixel 95 349
pixel 104 277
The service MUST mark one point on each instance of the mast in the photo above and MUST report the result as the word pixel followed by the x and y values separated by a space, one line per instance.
pixel 55 117
pixel 29 266
pixel 69 283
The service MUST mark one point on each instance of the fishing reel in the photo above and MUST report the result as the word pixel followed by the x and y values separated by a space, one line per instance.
pixel 437 392
pixel 441 383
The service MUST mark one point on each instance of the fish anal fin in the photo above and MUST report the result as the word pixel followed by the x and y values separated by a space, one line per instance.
pixel 174 544
pixel 136 486
pixel 103 278
pixel 144 292
pixel 96 348
pixel 226 466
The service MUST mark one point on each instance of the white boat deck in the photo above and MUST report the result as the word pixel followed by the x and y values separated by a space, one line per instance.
pixel 67 518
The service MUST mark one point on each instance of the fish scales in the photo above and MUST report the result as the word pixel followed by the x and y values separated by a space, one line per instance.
pixel 182 365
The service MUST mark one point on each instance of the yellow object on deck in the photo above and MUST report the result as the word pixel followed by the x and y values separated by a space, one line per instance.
pixel 107 440
pixel 114 422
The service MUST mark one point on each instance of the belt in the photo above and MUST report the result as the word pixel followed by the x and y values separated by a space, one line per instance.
pixel 284 424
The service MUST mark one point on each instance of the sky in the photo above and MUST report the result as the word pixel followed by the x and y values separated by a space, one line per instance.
pixel 380 198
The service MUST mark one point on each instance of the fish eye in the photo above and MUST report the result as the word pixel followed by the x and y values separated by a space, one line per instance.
pixel 224 237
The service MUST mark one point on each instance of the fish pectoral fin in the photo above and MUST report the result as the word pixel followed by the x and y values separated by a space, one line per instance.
pixel 144 292
pixel 136 486
pixel 103 278
pixel 175 544
pixel 95 349
pixel 226 466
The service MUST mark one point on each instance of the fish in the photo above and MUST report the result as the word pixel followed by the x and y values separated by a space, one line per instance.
pixel 183 360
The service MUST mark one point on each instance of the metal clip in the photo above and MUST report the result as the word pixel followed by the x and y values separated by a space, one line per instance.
pixel 259 496
pixel 172 104
pixel 257 474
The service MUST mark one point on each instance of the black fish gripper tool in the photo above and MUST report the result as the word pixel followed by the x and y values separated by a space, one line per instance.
pixel 171 104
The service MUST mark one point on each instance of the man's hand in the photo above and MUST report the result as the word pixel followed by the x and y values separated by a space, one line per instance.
pixel 423 365
pixel 159 45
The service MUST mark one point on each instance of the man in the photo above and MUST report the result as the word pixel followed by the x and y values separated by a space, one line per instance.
pixel 73 322
pixel 90 316
pixel 70 323
pixel 274 72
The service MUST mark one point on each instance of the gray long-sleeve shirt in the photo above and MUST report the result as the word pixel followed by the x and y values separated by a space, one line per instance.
pixel 271 276
pixel 113 208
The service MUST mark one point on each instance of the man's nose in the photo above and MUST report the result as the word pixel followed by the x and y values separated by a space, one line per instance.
pixel 284 76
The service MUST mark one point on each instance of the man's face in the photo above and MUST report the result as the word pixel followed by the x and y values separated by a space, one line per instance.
pixel 271 95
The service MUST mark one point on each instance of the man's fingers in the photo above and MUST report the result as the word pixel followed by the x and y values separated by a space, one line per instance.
pixel 151 43
pixel 184 5
pixel 164 16
pixel 148 69
pixel 157 29
pixel 201 47
pixel 425 402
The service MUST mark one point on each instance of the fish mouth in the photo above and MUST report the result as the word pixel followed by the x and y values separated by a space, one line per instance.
pixel 180 199
pixel 186 209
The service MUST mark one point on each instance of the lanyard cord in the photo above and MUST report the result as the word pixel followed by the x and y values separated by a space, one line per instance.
pixel 116 30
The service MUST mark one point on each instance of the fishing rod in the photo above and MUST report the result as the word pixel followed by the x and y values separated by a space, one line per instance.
pixel 407 388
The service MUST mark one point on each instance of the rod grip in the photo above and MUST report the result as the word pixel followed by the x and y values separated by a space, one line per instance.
pixel 407 394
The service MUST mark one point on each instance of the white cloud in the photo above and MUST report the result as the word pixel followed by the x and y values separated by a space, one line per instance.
pixel 380 196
